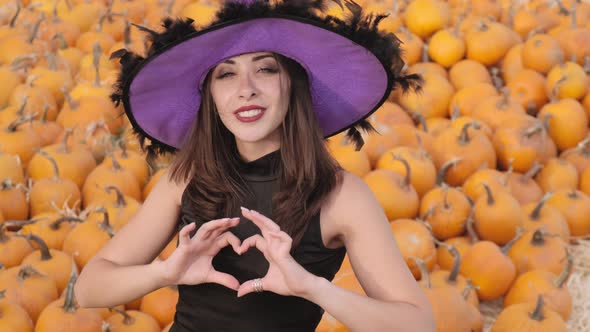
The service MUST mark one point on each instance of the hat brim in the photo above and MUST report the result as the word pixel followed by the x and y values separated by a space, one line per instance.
pixel 347 82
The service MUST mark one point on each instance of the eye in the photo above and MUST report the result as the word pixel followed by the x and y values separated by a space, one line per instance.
pixel 263 69
pixel 268 70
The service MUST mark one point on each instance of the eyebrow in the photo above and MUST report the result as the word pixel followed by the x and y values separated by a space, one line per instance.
pixel 256 58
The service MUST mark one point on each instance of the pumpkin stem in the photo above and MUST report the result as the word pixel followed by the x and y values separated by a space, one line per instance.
pixel 408 176
pixel 491 200
pixel 560 281
pixel 573 15
pixel 536 213
pixel 64 142
pixel 43 119
pixel 69 303
pixel 587 64
pixel 127 320
pixel 505 101
pixel 104 224
pixel 496 80
pixel 6 184
pixel 455 113
pixel 17 224
pixel 96 52
pixel 63 44
pixel 424 275
pixel 582 147
pixel 538 313
pixel 442 173
pixel 419 118
pixel 123 146
pixel 532 172
pixel 468 288
pixel 27 271
pixel 36 28
pixel 464 138
pixel 572 194
pixel 21 120
pixel 470 230
pixel 538 238
pixel 23 105
pixel 16 14
pixel 553 97
pixel 56 224
pixel 445 190
pixel 56 176
pixel 45 253
pixel 452 278
pixel 169 7
pixel 425 57
pixel 539 127
pixel 74 105
pixel 507 246
pixel 120 198
pixel 127 35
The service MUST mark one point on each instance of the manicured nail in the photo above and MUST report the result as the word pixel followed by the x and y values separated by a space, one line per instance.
pixel 244 209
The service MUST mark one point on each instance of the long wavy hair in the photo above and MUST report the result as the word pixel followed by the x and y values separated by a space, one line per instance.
pixel 209 159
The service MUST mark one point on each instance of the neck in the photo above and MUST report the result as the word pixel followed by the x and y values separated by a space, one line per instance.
pixel 252 151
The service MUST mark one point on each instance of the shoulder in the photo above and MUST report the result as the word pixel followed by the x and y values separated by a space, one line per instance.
pixel 350 203
pixel 175 188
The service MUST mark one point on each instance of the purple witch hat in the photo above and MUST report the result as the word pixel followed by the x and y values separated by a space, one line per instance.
pixel 351 65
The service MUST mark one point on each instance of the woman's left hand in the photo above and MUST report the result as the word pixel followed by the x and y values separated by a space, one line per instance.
pixel 285 276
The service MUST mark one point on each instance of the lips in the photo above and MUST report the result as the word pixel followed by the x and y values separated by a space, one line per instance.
pixel 243 117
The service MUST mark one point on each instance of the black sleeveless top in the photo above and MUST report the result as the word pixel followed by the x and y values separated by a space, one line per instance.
pixel 213 307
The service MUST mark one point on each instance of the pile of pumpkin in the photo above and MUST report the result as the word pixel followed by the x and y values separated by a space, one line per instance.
pixel 483 175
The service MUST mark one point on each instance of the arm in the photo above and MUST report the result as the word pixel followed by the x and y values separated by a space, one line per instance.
pixel 394 300
pixel 124 269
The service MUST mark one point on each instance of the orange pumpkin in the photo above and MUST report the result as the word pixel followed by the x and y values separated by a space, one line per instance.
pixel 489 269
pixel 412 162
pixel 446 210
pixel 547 284
pixel 414 240
pixel 29 288
pixel 474 150
pixel 529 317
pixel 63 312
pixel 575 207
pixel 468 72
pixel 132 320
pixel 161 304
pixel 14 317
pixel 395 193
pixel 538 250
pixel 545 217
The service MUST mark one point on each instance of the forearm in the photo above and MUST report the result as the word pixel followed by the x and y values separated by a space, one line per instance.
pixel 362 313
pixel 103 284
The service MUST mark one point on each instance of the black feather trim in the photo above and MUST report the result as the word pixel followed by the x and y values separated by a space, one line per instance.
pixel 356 25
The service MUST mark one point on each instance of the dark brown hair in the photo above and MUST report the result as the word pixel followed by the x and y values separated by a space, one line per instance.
pixel 308 172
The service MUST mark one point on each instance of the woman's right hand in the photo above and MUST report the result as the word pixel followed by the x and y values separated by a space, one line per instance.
pixel 190 263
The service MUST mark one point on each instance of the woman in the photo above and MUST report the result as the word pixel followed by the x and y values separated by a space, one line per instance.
pixel 247 128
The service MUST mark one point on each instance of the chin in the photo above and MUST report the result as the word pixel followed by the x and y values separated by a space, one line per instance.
pixel 254 134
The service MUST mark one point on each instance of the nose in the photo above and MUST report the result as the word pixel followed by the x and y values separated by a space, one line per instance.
pixel 247 86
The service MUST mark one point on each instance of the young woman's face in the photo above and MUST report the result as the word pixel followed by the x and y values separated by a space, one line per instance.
pixel 253 79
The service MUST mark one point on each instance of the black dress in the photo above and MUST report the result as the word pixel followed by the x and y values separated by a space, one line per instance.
pixel 213 307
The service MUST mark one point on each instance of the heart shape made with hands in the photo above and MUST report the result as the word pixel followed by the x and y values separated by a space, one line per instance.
pixel 284 275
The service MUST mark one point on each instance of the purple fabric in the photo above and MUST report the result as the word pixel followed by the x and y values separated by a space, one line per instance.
pixel 346 80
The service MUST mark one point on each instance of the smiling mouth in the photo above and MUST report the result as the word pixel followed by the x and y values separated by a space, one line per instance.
pixel 250 116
